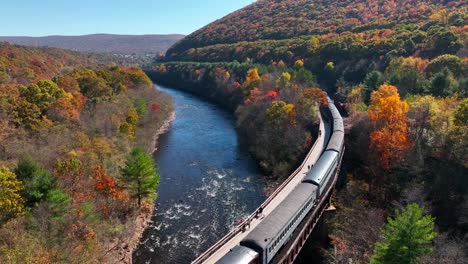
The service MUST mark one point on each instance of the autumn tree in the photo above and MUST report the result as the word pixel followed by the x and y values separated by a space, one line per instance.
pixel 389 138
pixel 73 177
pixel 11 202
pixel 284 80
pixel 42 93
pixel 140 175
pixel 26 114
pixel 406 237
pixel 105 184
pixel 281 113
pixel 128 127
pixel 252 79
pixel 461 114
pixel 91 85
pixel 299 64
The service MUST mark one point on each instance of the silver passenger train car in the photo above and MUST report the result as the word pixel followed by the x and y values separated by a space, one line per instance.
pixel 267 238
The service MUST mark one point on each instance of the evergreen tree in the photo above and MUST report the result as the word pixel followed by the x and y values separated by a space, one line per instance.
pixel 37 181
pixel 405 238
pixel 140 175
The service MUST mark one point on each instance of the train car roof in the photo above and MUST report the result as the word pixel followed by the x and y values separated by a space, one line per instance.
pixel 238 255
pixel 318 172
pixel 274 223
pixel 338 124
pixel 336 141
pixel 334 110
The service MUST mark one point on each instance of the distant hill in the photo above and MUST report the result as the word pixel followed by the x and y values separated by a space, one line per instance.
pixel 335 39
pixel 288 19
pixel 102 43
pixel 24 65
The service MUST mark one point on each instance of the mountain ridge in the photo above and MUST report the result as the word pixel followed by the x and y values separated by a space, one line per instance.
pixel 286 19
pixel 101 42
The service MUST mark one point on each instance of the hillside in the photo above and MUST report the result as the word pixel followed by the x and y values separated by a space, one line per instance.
pixel 102 43
pixel 354 37
pixel 397 70
pixel 23 65
pixel 284 19
pixel 68 122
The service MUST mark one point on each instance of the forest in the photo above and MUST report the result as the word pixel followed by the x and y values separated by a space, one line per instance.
pixel 75 169
pixel 397 70
pixel 286 19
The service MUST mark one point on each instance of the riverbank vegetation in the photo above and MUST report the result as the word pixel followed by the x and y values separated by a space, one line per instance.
pixel 276 107
pixel 396 69
pixel 66 134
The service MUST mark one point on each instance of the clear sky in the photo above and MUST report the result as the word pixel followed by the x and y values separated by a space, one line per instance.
pixel 79 17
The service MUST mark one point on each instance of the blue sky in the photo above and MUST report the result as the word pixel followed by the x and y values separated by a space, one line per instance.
pixel 79 17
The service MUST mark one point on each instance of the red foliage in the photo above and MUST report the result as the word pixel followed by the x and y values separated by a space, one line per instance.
pixel 155 107
pixel 272 94
pixel 106 185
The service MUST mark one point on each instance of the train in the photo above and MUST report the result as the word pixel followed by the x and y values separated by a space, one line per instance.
pixel 276 229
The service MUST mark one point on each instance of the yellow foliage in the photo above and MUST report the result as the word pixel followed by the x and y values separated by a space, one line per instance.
pixel 280 111
pixel 440 15
pixel 227 75
pixel 284 80
pixel 299 63
pixel 11 202
pixel 252 75
pixel 132 117
pixel 389 138
pixel 401 64
pixel 128 130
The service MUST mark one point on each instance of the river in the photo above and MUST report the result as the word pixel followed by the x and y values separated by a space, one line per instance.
pixel 208 182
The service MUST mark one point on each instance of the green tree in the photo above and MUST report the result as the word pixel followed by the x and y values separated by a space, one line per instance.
pixel 140 175
pixel 11 202
pixel 405 238
pixel 372 82
pixel 91 85
pixel 454 63
pixel 37 181
pixel 444 83
pixel 42 93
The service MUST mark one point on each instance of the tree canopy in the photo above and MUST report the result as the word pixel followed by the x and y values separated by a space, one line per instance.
pixel 11 202
pixel 140 175
pixel 406 237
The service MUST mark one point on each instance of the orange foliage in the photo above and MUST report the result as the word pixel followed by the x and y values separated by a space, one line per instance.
pixel 316 93
pixel 73 178
pixel 65 109
pixel 254 95
pixel 106 185
pixel 389 139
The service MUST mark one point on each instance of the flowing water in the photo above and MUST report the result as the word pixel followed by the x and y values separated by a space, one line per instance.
pixel 208 182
